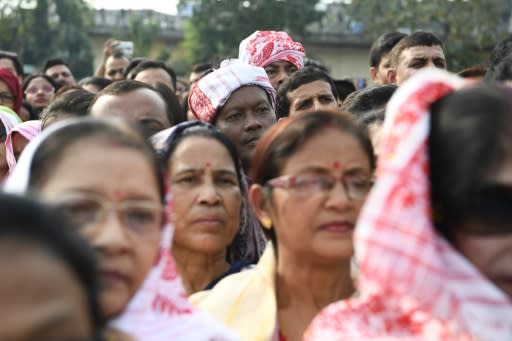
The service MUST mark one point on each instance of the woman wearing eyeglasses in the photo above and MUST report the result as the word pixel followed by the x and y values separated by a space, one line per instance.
pixel 106 178
pixel 311 175
pixel 39 90
pixel 11 95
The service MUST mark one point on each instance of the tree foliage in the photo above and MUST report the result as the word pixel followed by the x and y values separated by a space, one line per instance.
pixel 467 28
pixel 54 28
pixel 142 34
pixel 216 27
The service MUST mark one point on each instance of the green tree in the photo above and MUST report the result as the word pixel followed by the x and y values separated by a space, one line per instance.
pixel 216 27
pixel 468 29
pixel 53 28
pixel 140 32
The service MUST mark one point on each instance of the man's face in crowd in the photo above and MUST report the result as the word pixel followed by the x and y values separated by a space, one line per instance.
pixel 153 75
pixel 61 74
pixel 313 96
pixel 244 118
pixel 379 74
pixel 114 68
pixel 278 72
pixel 415 58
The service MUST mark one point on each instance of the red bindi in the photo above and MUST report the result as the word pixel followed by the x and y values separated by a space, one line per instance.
pixel 336 165
pixel 208 164
pixel 116 193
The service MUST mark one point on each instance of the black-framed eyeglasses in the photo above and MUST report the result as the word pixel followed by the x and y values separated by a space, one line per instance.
pixel 6 97
pixel 356 186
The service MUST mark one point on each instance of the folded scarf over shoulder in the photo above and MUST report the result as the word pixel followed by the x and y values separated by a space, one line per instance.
pixel 414 285
pixel 29 130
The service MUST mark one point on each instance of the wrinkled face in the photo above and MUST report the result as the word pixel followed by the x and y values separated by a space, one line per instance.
pixel 114 68
pixel 39 93
pixel 6 96
pixel 142 107
pixel 491 253
pixel 244 118
pixel 33 305
pixel 322 232
pixel 380 74
pixel 207 196
pixel 313 96
pixel 416 58
pixel 153 75
pixel 91 171
pixel 61 74
pixel 278 72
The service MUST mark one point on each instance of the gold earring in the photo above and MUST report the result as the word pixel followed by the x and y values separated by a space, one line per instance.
pixel 266 222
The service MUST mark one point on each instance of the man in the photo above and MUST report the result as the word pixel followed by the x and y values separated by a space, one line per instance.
pixel 11 61
pixel 379 56
pixel 309 89
pixel 115 66
pixel 413 53
pixel 198 71
pixel 152 71
pixel 274 51
pixel 368 100
pixel 60 72
pixel 135 102
pixel 239 100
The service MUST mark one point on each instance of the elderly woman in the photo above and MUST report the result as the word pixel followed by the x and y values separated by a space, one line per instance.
pixel 276 52
pixel 239 100
pixel 311 175
pixel 435 238
pixel 214 234
pixel 106 178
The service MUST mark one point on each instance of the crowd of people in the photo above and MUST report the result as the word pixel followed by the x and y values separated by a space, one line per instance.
pixel 260 199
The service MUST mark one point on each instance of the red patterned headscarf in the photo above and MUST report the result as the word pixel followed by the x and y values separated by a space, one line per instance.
pixel 13 84
pixel 265 47
pixel 413 284
pixel 213 90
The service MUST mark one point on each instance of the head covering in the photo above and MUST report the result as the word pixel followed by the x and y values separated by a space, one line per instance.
pixel 265 47
pixel 407 270
pixel 13 84
pixel 29 130
pixel 159 311
pixel 9 118
pixel 213 90
pixel 250 241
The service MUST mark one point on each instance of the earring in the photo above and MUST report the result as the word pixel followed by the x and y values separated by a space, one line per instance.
pixel 266 222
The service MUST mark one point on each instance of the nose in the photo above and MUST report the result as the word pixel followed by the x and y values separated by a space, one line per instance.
pixel 253 122
pixel 338 198
pixel 282 76
pixel 317 105
pixel 208 193
pixel 109 235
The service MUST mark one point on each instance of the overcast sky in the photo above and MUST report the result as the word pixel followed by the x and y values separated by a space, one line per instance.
pixel 164 6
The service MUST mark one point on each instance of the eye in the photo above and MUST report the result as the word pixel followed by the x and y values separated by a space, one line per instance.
pixel 226 180
pixel 326 99
pixel 80 212
pixel 140 216
pixel 187 180
pixel 270 71
pixel 236 116
pixel 263 109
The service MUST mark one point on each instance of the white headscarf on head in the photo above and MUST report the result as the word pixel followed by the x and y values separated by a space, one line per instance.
pixel 160 310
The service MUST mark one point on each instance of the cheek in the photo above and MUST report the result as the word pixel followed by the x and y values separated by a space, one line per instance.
pixel 482 252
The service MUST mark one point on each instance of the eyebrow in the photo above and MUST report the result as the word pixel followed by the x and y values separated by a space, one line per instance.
pixel 201 170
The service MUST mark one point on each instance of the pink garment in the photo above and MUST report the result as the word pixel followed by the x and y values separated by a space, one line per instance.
pixel 28 130
pixel 212 91
pixel 265 47
pixel 407 271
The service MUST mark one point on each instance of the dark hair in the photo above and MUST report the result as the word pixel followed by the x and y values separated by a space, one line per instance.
pixel 51 150
pixel 203 67
pixel 344 87
pixel 99 82
pixel 500 51
pixel 368 99
pixel 315 63
pixel 174 112
pixel 49 79
pixel 383 45
pixel 71 103
pixel 13 56
pixel 303 76
pixel 371 117
pixel 470 130
pixel 29 222
pixel 472 72
pixel 132 65
pixel 419 38
pixel 154 64
pixel 282 140
pixel 55 61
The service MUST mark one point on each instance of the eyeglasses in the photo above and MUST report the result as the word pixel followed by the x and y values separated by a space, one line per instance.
pixel 34 89
pixel 356 186
pixel 140 218
pixel 6 97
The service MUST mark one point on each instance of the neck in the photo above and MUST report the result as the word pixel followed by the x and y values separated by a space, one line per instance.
pixel 197 270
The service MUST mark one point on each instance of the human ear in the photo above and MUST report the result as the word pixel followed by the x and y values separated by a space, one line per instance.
pixel 259 203
pixel 391 76
pixel 373 74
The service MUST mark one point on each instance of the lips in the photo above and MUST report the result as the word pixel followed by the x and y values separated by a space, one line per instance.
pixel 251 140
pixel 210 221
pixel 337 227
pixel 113 277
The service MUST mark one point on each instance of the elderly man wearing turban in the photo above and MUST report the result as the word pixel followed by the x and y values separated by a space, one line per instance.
pixel 239 100
pixel 275 51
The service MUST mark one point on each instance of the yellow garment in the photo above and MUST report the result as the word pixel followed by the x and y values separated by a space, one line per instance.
pixel 246 301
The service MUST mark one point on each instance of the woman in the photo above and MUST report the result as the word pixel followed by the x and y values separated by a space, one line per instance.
pixel 17 140
pixel 311 175
pixel 8 120
pixel 213 233
pixel 107 179
pixel 39 90
pixel 435 243
pixel 37 245
pixel 11 95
